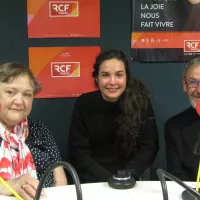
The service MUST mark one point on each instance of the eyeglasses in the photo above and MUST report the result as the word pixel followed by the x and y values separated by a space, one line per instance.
pixel 192 83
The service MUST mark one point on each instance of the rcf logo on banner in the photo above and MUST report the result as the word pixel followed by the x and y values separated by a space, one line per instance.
pixel 191 45
pixel 63 9
pixel 65 69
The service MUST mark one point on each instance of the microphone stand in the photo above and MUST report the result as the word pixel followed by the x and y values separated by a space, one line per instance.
pixel 162 174
pixel 73 173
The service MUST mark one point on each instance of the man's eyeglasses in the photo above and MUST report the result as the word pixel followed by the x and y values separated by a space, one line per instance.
pixel 192 83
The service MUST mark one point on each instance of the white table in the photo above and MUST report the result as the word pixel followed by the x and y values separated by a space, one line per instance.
pixel 101 191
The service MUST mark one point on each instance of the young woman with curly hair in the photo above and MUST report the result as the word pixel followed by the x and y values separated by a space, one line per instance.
pixel 114 127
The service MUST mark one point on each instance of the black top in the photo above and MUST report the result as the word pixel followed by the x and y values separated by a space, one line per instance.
pixel 93 136
pixel 43 148
pixel 181 133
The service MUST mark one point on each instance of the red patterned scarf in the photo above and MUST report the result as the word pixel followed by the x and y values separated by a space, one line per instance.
pixel 15 156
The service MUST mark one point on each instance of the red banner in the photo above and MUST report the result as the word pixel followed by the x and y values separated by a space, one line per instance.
pixel 189 41
pixel 63 19
pixel 63 71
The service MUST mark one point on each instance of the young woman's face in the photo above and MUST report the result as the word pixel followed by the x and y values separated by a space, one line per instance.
pixel 16 100
pixel 112 79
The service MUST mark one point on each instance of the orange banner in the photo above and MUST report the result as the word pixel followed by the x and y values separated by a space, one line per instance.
pixel 189 41
pixel 63 71
pixel 63 19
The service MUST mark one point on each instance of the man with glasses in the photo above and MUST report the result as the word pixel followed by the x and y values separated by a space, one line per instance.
pixel 183 130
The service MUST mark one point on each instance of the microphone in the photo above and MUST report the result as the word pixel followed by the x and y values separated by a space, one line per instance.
pixel 196 152
pixel 196 149
pixel 121 180
pixel 73 173
pixel 162 174
pixel 198 107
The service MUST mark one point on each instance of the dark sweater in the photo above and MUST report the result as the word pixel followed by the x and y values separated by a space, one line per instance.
pixel 181 133
pixel 93 136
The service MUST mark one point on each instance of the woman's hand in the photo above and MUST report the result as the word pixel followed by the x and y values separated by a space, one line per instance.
pixel 24 185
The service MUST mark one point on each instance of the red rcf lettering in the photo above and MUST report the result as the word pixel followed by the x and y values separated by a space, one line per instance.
pixel 60 7
pixel 62 68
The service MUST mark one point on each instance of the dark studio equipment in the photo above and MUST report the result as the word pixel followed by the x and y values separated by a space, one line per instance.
pixel 187 196
pixel 162 174
pixel 121 180
pixel 73 173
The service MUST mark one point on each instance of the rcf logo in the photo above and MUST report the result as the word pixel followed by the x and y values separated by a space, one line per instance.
pixel 191 45
pixel 65 69
pixel 63 9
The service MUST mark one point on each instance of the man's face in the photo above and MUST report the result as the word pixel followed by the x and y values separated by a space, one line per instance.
pixel 194 1
pixel 191 84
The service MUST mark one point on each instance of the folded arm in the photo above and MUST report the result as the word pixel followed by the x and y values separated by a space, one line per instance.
pixel 59 177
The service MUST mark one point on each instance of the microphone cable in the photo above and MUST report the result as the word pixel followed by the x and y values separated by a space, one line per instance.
pixel 73 173
pixel 162 174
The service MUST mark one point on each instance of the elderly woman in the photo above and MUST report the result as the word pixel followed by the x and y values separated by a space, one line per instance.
pixel 27 147
pixel 114 127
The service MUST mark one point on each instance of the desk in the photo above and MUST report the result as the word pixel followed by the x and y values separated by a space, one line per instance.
pixel 101 191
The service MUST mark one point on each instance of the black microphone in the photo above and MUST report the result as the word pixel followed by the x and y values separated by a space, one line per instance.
pixel 73 173
pixel 121 180
pixel 162 174
pixel 196 151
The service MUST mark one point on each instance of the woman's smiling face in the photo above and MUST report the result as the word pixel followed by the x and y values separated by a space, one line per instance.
pixel 16 98
pixel 112 79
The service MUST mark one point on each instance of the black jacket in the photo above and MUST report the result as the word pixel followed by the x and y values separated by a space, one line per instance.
pixel 181 133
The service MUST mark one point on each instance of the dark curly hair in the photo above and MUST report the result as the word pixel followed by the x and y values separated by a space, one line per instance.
pixel 133 104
